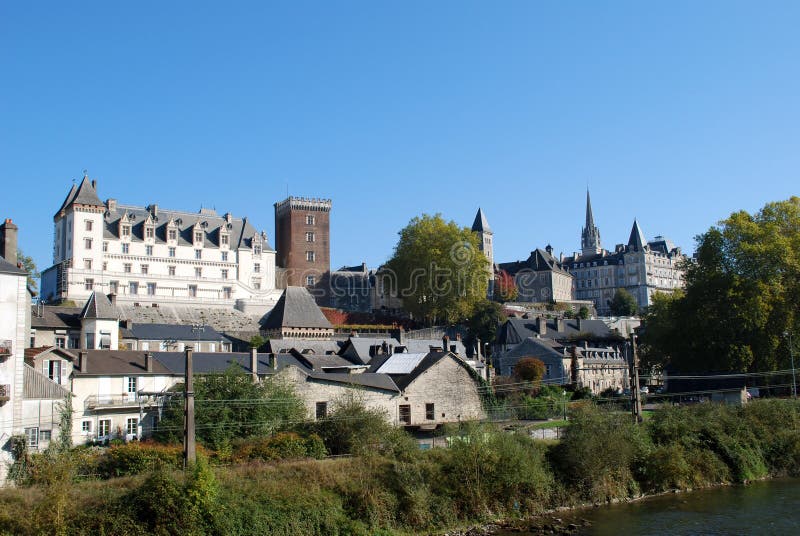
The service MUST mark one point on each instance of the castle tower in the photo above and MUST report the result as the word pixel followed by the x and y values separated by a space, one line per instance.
pixel 302 241
pixel 590 235
pixel 485 236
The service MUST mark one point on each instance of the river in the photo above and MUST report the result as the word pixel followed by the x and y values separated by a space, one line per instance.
pixel 769 507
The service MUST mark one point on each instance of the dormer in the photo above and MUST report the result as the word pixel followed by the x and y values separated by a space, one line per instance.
pixel 125 227
pixel 198 235
pixel 149 230
pixel 257 245
pixel 172 232
pixel 223 236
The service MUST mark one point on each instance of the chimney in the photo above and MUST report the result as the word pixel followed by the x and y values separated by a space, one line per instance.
pixel 541 325
pixel 8 241
pixel 273 362
pixel 560 325
pixel 111 205
pixel 445 343
pixel 112 298
pixel 391 349
pixel 580 323
pixel 82 364
pixel 254 364
pixel 148 362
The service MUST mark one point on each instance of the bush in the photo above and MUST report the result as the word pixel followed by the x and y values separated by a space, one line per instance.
pixel 135 458
pixel 281 446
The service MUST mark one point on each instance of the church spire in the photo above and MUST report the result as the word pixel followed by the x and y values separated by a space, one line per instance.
pixel 590 235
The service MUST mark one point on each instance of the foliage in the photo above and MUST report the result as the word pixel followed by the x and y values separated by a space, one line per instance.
pixel 741 296
pixel 623 303
pixel 29 266
pixel 281 446
pixel 230 406
pixel 440 272
pixel 505 288
pixel 483 322
pixel 257 341
pixel 138 457
pixel 583 313
pixel 64 442
pixel 529 369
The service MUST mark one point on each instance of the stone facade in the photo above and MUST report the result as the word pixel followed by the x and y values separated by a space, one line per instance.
pixel 541 278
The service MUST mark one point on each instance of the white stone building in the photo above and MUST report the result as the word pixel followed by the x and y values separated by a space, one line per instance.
pixel 148 255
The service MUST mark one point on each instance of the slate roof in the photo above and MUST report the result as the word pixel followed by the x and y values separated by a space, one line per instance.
pixel 538 261
pixel 118 362
pixel 219 362
pixel 55 317
pixel 296 308
pixel 533 347
pixel 636 240
pixel 84 194
pixel 8 268
pixel 516 330
pixel 279 346
pixel 98 306
pixel 425 345
pixel 383 382
pixel 481 225
pixel 177 332
pixel 319 362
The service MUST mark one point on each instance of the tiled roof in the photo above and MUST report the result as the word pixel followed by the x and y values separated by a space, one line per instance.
pixel 295 309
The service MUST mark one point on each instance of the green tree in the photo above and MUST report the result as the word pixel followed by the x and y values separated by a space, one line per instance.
pixel 583 312
pixel 623 303
pixel 484 321
pixel 230 406
pixel 439 270
pixel 29 266
pixel 741 295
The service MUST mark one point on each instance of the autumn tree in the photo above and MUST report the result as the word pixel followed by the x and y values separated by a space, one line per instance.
pixel 741 296
pixel 529 369
pixel 438 270
pixel 505 288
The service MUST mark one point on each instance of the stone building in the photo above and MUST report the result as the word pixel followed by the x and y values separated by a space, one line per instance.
pixel 302 239
pixel 541 278
pixel 641 267
pixel 486 238
pixel 351 288
pixel 296 316
pixel 153 255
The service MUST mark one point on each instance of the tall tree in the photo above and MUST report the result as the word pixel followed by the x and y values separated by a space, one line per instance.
pixel 438 270
pixel 623 303
pixel 742 294
pixel 483 323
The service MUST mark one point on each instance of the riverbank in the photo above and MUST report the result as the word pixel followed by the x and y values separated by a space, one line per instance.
pixel 394 489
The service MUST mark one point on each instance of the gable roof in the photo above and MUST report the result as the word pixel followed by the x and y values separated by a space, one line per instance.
pixel 296 308
pixel 178 332
pixel 98 306
pixel 55 317
pixel 8 268
pixel 481 225
pixel 516 330
pixel 118 362
pixel 372 380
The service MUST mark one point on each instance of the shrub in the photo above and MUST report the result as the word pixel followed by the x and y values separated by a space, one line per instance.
pixel 283 445
pixel 135 458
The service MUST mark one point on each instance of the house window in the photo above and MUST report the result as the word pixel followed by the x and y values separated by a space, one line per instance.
pixel 105 247
pixel 86 427
pixel 32 437
pixel 149 232
pixel 257 268
pixel 198 254
pixel 172 234
pixel 311 256
pixel 198 237
pixel 430 413
pixel 103 427
pixel 310 219
pixel 133 288
pixel 310 280
pixel 132 426
pixel 151 289
pixel 171 251
pixel 310 236
pixel 227 292
pixel 126 248
pixel 61 342
pixel 171 270
pixel 405 414
pixel 130 385
pixel 113 286
pixel 321 410
pixel 224 255
pixel 198 272
pixel 193 291
pixel 224 274
pixel 89 225
pixel 148 250
pixel 145 268
pixel 88 283
pixel 126 230
pixel 87 264
pixel 87 243
pixel 54 370
pixel 90 341
pixel 45 435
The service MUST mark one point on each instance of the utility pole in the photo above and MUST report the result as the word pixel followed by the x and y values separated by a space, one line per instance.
pixel 189 451
pixel 636 396
pixel 788 334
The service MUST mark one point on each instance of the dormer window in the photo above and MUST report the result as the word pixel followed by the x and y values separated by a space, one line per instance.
pixel 125 230
pixel 172 235
pixel 198 237
pixel 256 249
pixel 223 239
pixel 149 232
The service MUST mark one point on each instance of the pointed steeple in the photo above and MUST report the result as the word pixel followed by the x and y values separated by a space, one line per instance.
pixel 637 240
pixel 590 235
pixel 481 225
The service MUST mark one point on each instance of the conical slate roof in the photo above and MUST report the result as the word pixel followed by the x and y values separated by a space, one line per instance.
pixel 589 215
pixel 295 309
pixel 84 194
pixel 637 239
pixel 98 306
pixel 481 225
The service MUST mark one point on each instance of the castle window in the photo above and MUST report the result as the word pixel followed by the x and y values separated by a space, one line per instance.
pixel 89 225
pixel 87 242
pixel 145 268
pixel 198 272
pixel 257 268
pixel 257 249
pixel 125 230
pixel 198 254
pixel 310 237
pixel 88 284
pixel 172 234
pixel 133 288
pixel 171 251
pixel 310 219
pixel 149 232
pixel 311 256
pixel 125 248
pixel 193 291
pixel 310 280
pixel 105 247
pixel 171 270
pixel 113 286
pixel 126 267
pixel 148 250
pixel 224 256
pixel 87 264
pixel 151 289
pixel 227 292
pixel 198 237
pixel 224 274
pixel 223 240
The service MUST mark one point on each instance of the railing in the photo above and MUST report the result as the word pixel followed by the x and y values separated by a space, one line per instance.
pixel 5 393
pixel 110 401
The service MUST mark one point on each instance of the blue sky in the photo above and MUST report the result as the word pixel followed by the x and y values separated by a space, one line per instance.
pixel 676 113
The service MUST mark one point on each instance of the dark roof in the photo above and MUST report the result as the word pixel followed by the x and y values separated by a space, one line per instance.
pixel 636 240
pixel 295 309
pixel 219 362
pixel 318 362
pixel 114 362
pixel 362 379
pixel 481 225
pixel 98 306
pixel 516 330
pixel 278 346
pixel 8 268
pixel 589 215
pixel 540 260
pixel 55 317
pixel 177 332
pixel 85 194
pixel 533 347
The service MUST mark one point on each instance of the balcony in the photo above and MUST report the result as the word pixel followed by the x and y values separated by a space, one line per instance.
pixel 94 402
pixel 5 393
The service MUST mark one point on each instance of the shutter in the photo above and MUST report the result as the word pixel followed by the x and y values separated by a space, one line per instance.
pixel 45 368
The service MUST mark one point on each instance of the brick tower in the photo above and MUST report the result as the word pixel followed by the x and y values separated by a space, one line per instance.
pixel 302 242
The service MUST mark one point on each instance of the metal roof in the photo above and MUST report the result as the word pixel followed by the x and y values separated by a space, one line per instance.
pixel 401 363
